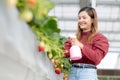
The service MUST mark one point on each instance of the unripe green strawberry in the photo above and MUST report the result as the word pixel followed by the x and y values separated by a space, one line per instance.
pixel 11 3
pixel 50 55
pixel 52 60
pixel 61 65
pixel 27 15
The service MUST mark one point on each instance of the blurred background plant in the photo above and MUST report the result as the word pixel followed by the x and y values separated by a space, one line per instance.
pixel 35 13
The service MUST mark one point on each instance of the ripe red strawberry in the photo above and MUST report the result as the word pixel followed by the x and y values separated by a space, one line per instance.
pixel 57 71
pixel 41 48
pixel 32 2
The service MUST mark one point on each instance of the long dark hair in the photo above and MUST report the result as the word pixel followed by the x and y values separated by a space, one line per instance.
pixel 94 26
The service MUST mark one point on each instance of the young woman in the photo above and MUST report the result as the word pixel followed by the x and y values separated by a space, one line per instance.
pixel 93 45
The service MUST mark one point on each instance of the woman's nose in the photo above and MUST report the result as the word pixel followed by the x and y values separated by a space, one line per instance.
pixel 80 20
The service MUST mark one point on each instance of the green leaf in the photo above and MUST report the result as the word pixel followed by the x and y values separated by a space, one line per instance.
pixel 50 26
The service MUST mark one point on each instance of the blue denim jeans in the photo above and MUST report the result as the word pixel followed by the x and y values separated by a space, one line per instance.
pixel 82 74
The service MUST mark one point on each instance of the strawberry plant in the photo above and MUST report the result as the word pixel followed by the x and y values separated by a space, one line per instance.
pixel 35 13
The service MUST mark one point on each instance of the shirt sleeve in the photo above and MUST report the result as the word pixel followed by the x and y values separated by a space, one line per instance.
pixel 66 48
pixel 96 50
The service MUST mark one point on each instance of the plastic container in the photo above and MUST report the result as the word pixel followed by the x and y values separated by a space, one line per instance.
pixel 75 53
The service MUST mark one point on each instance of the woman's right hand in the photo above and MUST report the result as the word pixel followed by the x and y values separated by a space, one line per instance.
pixel 75 41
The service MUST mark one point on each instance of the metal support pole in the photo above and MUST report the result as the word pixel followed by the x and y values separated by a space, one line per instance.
pixel 93 3
pixel 84 3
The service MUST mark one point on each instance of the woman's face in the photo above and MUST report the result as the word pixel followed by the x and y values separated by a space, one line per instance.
pixel 84 21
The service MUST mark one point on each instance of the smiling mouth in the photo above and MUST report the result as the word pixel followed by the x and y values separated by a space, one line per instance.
pixel 81 24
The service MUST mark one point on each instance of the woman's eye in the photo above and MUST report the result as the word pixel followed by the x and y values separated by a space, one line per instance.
pixel 79 18
pixel 84 17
